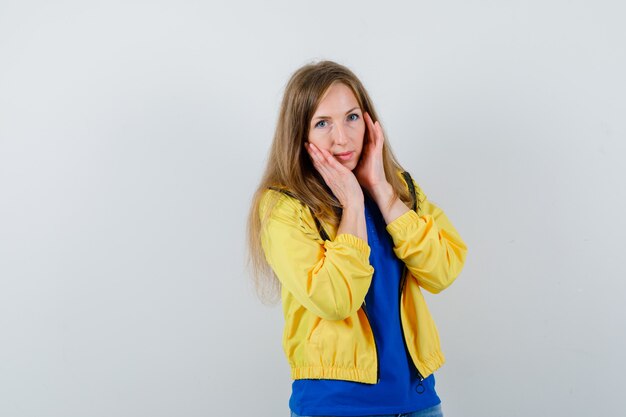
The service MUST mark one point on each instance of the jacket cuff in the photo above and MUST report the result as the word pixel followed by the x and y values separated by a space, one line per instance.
pixel 354 241
pixel 399 225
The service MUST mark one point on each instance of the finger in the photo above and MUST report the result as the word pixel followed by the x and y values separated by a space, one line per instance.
pixel 320 162
pixel 332 170
pixel 380 134
pixel 376 132
pixel 309 148
pixel 315 153
pixel 327 164
pixel 368 122
pixel 332 162
pixel 371 129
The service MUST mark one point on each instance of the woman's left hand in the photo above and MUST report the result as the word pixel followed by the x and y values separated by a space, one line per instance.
pixel 370 170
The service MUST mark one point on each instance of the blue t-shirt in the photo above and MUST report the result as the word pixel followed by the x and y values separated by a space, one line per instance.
pixel 399 389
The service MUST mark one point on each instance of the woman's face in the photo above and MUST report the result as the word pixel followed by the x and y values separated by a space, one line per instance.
pixel 338 126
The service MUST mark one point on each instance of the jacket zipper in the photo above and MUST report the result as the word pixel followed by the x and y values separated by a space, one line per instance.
pixel 375 345
pixel 403 279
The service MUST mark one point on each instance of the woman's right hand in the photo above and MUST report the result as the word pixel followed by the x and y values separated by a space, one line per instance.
pixel 342 182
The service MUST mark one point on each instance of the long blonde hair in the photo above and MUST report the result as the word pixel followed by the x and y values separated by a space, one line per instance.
pixel 289 165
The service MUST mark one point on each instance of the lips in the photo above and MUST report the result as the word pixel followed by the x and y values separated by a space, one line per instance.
pixel 344 156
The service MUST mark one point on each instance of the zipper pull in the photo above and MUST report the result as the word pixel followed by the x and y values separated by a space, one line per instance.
pixel 420 388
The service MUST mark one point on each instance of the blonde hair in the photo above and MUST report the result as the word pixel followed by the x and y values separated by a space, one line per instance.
pixel 289 165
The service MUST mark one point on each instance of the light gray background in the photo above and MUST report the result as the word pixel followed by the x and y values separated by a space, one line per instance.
pixel 132 135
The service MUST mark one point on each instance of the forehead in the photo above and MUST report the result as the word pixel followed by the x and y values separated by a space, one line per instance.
pixel 338 96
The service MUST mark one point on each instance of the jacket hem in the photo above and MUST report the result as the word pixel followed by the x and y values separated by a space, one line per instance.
pixel 430 365
pixel 346 374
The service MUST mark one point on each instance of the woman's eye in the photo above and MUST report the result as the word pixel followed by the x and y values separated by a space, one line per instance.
pixel 318 123
pixel 356 117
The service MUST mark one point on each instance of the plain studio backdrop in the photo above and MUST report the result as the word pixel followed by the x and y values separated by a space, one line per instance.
pixel 133 134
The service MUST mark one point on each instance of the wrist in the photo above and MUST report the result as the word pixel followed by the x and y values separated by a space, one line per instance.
pixel 381 193
pixel 354 206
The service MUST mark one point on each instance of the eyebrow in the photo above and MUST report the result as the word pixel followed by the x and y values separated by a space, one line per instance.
pixel 328 117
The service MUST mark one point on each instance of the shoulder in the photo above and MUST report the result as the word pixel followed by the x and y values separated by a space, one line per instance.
pixel 280 212
pixel 275 202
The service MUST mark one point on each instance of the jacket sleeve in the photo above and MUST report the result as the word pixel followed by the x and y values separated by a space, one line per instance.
pixel 428 244
pixel 329 278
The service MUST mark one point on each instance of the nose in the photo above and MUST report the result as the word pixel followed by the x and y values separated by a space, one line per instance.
pixel 339 135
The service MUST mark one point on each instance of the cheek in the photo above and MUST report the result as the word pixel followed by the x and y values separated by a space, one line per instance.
pixel 319 140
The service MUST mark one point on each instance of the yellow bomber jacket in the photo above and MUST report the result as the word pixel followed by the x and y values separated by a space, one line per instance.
pixel 327 333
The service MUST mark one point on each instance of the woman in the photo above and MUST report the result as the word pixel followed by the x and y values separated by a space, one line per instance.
pixel 332 226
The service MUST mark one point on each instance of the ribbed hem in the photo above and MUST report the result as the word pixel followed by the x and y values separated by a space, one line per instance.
pixel 431 364
pixel 346 374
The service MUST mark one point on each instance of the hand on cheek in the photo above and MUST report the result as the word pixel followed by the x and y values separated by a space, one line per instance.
pixel 370 170
pixel 339 179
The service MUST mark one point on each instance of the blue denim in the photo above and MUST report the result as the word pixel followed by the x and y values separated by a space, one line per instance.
pixel 429 412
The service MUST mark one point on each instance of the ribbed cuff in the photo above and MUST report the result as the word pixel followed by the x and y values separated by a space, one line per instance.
pixel 400 224
pixel 354 241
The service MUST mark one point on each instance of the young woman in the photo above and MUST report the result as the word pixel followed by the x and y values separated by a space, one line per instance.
pixel 349 239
